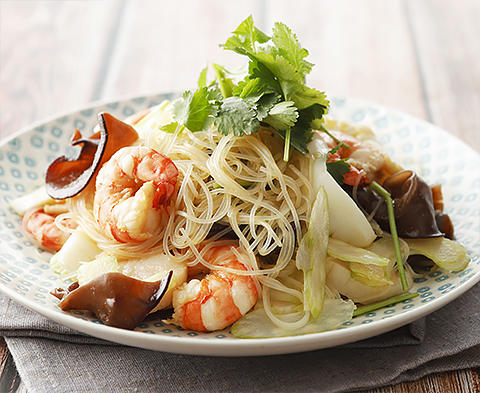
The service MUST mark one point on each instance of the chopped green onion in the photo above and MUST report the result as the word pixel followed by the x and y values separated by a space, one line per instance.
pixel 383 303
pixel 393 231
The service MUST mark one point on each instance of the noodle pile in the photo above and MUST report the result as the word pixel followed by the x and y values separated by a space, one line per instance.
pixel 240 184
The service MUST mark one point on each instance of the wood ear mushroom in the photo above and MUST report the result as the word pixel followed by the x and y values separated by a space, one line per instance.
pixel 415 214
pixel 68 176
pixel 118 300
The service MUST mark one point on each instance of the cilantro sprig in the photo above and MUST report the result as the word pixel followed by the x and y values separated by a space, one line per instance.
pixel 273 94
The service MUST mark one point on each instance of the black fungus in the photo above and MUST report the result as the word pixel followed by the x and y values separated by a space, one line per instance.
pixel 68 176
pixel 415 215
pixel 118 300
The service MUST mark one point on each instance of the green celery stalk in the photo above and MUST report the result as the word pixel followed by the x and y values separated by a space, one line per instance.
pixel 393 231
pixel 383 303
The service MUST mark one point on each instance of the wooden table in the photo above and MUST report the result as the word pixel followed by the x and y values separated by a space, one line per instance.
pixel 417 56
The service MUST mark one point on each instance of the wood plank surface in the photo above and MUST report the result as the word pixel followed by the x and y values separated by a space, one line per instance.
pixel 447 41
pixel 52 55
pixel 418 56
pixel 163 46
pixel 361 49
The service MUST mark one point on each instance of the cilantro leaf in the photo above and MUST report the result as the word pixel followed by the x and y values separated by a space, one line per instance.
pixel 280 64
pixel 289 48
pixel 280 67
pixel 302 131
pixel 265 104
pixel 260 71
pixel 245 37
pixel 202 80
pixel 303 96
pixel 273 92
pixel 252 89
pixel 196 110
pixel 308 115
pixel 170 127
pixel 236 116
pixel 337 169
pixel 258 95
pixel 282 116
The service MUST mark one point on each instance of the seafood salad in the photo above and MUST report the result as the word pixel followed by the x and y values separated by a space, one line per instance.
pixel 240 204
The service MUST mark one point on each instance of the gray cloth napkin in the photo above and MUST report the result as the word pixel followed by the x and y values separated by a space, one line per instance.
pixel 52 357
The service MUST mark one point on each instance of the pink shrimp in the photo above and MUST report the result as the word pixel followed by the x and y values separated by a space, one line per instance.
pixel 43 230
pixel 219 299
pixel 130 190
pixel 366 162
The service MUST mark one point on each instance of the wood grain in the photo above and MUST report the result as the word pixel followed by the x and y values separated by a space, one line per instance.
pixel 52 54
pixel 462 381
pixel 360 49
pixel 417 56
pixel 163 46
pixel 447 39
pixel 9 378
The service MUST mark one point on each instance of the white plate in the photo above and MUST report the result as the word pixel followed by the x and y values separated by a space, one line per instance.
pixel 437 156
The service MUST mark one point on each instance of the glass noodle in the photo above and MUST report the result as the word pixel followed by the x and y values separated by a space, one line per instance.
pixel 240 182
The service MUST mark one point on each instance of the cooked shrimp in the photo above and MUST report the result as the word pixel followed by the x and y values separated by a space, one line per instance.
pixel 130 190
pixel 366 162
pixel 219 299
pixel 43 230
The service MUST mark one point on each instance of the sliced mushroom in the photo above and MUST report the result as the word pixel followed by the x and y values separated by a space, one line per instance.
pixel 415 215
pixel 118 300
pixel 68 176
pixel 413 202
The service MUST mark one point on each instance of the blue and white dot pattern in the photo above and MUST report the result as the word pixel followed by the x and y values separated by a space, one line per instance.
pixel 433 153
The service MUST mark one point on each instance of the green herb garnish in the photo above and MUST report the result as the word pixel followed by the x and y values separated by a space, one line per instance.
pixel 273 94
pixel 337 169
pixel 393 231
pixel 383 303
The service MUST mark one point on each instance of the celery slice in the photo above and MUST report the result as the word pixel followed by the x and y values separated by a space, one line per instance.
pixel 371 275
pixel 346 252
pixel 445 253
pixel 257 324
pixel 312 255
pixel 103 263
